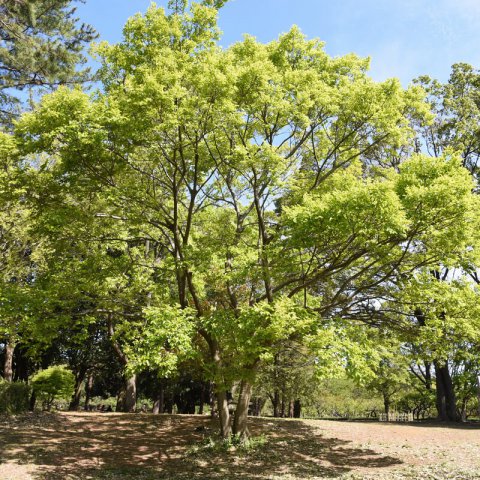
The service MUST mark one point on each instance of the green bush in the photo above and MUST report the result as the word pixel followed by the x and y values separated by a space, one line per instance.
pixel 14 397
pixel 54 383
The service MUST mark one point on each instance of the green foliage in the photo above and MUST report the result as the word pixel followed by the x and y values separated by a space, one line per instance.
pixel 342 398
pixel 14 397
pixel 163 342
pixel 236 202
pixel 53 383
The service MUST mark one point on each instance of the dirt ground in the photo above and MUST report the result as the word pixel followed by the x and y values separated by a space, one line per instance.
pixel 100 446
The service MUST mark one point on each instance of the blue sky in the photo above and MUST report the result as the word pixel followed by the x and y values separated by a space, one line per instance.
pixel 404 38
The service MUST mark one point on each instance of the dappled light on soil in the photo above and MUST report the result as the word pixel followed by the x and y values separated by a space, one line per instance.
pixel 124 446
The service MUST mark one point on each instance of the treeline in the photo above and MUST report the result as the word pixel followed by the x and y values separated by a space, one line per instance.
pixel 234 227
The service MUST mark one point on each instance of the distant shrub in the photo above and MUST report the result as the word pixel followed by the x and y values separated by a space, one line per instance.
pixel 54 383
pixel 14 397
pixel 96 402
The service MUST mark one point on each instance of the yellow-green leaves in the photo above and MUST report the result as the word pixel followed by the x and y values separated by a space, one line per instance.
pixel 348 209
pixel 164 340
pixel 436 194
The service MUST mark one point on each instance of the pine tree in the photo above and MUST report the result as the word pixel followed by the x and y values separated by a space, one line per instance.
pixel 41 43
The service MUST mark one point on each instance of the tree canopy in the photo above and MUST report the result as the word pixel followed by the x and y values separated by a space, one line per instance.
pixel 227 206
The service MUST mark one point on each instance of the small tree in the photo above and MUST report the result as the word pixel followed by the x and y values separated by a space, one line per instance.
pixel 53 383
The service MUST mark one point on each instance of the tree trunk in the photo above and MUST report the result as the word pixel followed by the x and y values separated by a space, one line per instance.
pixel 77 392
pixel 297 409
pixel 33 400
pixel 282 408
pixel 478 395
pixel 21 364
pixel 213 408
pixel 463 412
pixel 240 427
pixel 223 414
pixel 130 401
pixel 8 363
pixel 386 403
pixel 428 376
pixel 88 390
pixel 445 394
pixel 276 403
pixel 127 397
pixel 290 409
pixel 202 399
pixel 159 399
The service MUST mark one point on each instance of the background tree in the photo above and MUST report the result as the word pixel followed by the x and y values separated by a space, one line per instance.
pixel 41 44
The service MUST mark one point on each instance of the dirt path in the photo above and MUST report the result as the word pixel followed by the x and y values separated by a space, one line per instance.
pixel 128 446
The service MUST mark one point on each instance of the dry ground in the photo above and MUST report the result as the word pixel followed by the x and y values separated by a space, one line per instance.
pixel 70 446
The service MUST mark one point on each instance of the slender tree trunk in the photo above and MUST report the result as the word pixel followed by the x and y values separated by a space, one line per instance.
pixel 213 408
pixel 127 397
pixel 282 408
pixel 290 409
pixel 240 427
pixel 33 401
pixel 428 376
pixel 8 363
pixel 120 406
pixel 223 414
pixel 77 392
pixel 386 403
pixel 159 399
pixel 276 403
pixel 463 412
pixel 202 399
pixel 478 395
pixel 258 404
pixel 445 394
pixel 221 394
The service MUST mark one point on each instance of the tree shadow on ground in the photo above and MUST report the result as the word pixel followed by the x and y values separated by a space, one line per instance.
pixel 128 446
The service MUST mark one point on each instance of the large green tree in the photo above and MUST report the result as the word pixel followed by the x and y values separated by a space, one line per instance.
pixel 253 175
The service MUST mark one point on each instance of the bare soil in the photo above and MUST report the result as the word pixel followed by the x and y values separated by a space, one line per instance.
pixel 100 446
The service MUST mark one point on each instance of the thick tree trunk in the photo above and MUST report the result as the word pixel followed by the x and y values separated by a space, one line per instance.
pixel 88 390
pixel 445 394
pixel 130 400
pixel 21 364
pixel 223 414
pixel 8 363
pixel 297 409
pixel 159 399
pixel 240 426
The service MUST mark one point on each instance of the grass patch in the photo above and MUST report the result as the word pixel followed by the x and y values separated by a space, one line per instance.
pixel 216 445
